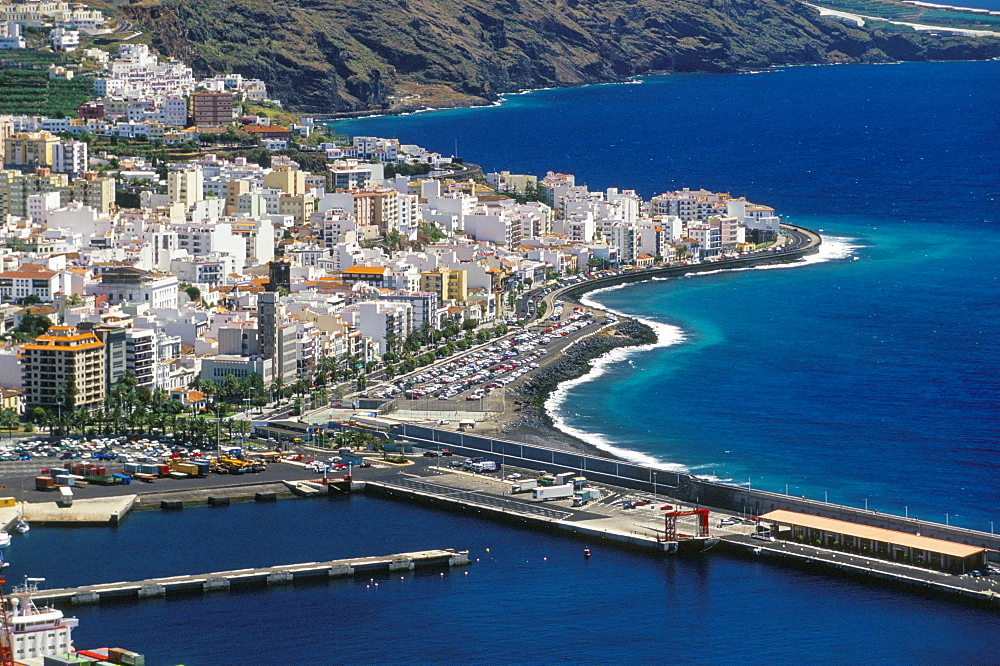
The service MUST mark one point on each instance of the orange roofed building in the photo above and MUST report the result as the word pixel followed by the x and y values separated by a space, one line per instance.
pixel 62 358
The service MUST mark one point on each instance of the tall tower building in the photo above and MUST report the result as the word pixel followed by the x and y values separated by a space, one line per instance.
pixel 280 274
pixel 63 368
pixel 267 323
pixel 186 187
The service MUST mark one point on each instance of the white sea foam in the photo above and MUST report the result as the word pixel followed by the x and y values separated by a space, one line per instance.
pixel 667 335
pixel 834 248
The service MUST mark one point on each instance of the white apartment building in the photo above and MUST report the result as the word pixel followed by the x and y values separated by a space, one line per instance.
pixel 378 320
pixel 32 280
pixel 70 157
pixel 63 39
pixel 10 36
pixel 125 286
pixel 140 355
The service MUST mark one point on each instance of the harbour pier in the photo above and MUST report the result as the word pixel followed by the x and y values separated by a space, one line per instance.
pixel 596 522
pixel 276 575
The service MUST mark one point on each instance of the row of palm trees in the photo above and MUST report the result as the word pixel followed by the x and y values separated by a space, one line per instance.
pixel 184 426
pixel 131 409
pixel 425 345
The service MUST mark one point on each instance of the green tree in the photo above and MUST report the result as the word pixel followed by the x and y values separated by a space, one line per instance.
pixel 9 420
pixel 193 292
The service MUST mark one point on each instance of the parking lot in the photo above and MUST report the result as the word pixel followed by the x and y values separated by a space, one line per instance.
pixel 474 376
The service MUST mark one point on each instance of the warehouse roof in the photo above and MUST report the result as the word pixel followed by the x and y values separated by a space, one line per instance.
pixel 874 533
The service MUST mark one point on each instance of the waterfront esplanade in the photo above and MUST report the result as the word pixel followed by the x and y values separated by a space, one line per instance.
pixel 875 542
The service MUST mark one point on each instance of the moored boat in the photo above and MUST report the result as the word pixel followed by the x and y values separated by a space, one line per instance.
pixel 36 632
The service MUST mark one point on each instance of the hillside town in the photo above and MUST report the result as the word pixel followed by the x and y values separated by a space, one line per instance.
pixel 212 276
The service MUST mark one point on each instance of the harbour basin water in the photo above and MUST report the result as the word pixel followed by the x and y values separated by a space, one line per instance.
pixel 530 597
pixel 871 377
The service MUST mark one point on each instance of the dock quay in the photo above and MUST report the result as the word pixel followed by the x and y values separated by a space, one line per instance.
pixel 91 511
pixel 937 583
pixel 277 575
pixel 642 528
pixel 598 521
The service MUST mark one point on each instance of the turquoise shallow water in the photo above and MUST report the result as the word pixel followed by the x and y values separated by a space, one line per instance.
pixel 869 375
pixel 871 378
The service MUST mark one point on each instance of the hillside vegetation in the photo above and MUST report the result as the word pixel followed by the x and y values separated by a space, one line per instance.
pixel 326 56
pixel 28 90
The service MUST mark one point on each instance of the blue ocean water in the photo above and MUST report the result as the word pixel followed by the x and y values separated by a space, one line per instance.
pixel 530 598
pixel 872 375
pixel 870 378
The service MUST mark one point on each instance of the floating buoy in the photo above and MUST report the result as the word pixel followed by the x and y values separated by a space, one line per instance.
pixel 586 552
pixel 402 578
pixel 442 575
pixel 368 587
pixel 487 550
pixel 466 573
pixel 545 559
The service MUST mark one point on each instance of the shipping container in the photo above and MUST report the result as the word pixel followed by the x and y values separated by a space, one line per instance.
pixel 44 483
pixel 524 485
pixel 8 501
pixel 553 492
pixel 562 478
pixel 65 496
pixel 103 479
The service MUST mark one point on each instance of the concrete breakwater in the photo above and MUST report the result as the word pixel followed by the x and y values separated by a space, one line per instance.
pixel 683 487
pixel 264 576
pixel 807 242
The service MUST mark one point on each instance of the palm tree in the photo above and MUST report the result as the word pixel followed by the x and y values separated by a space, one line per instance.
pixel 159 398
pixel 276 387
pixel 9 420
pixel 79 418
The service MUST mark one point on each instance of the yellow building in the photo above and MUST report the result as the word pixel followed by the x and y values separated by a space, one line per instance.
pixel 62 358
pixel 379 206
pixel 6 131
pixel 287 180
pixel 16 187
pixel 299 206
pixel 12 399
pixel 450 284
pixel 30 149
pixel 234 188
pixel 94 191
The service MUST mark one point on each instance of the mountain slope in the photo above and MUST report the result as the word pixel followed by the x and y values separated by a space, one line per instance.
pixel 326 56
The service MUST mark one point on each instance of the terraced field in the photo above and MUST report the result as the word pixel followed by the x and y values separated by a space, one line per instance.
pixel 899 11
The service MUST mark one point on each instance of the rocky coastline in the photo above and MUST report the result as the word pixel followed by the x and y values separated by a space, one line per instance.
pixel 532 424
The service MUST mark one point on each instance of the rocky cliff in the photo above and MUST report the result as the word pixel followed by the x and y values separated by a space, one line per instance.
pixel 326 56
